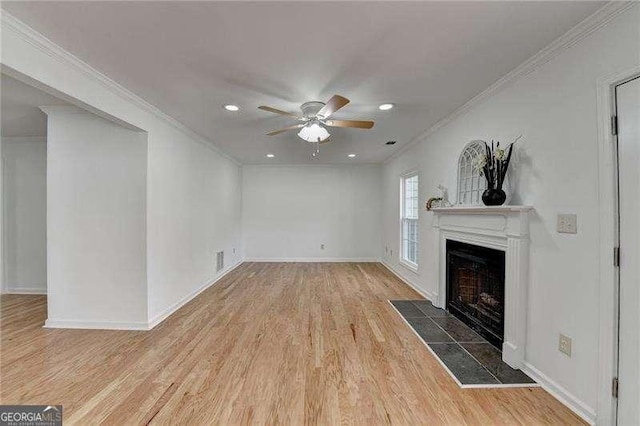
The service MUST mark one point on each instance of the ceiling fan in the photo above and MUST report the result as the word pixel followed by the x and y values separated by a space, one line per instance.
pixel 315 119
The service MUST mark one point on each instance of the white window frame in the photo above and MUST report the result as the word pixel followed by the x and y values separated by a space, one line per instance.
pixel 403 261
pixel 471 184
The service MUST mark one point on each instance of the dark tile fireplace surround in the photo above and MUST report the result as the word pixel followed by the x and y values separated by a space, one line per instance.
pixel 475 288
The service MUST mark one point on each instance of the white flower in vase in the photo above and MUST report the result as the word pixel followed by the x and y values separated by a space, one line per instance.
pixel 478 164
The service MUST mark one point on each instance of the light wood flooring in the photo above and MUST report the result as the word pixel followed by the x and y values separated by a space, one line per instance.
pixel 270 343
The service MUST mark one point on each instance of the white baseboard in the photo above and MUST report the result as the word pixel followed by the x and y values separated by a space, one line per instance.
pixel 95 325
pixel 561 394
pixel 25 290
pixel 426 294
pixel 313 259
pixel 180 303
pixel 141 326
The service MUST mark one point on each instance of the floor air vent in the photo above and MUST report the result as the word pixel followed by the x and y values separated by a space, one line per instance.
pixel 219 261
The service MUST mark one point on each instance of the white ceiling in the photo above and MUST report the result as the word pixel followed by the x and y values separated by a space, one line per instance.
pixel 21 116
pixel 190 58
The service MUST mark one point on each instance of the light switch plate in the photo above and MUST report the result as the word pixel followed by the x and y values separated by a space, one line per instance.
pixel 567 223
pixel 564 345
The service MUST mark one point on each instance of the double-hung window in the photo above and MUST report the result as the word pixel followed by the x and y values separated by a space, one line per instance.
pixel 409 220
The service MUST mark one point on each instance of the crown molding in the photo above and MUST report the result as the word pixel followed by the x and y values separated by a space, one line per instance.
pixel 594 22
pixel 12 24
pixel 61 109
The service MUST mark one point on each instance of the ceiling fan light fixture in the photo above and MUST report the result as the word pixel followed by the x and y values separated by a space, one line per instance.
pixel 385 107
pixel 313 132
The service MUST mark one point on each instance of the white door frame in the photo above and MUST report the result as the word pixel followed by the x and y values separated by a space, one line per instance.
pixel 608 214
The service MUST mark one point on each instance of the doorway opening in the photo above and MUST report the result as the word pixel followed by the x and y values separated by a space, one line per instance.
pixel 23 148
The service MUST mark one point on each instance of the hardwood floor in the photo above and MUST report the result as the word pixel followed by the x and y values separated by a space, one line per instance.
pixel 312 343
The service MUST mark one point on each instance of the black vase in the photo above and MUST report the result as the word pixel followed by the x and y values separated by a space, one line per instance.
pixel 493 197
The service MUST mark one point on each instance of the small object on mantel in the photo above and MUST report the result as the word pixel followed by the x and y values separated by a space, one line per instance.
pixel 441 201
pixel 445 196
pixel 493 165
pixel 433 202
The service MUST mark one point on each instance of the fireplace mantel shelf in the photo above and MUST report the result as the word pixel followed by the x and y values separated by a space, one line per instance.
pixel 481 209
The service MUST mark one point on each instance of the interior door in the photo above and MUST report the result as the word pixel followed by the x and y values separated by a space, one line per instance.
pixel 628 112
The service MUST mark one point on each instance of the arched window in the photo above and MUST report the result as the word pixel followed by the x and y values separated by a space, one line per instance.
pixel 471 184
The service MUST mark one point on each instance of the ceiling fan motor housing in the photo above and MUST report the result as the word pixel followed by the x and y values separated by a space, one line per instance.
pixel 310 109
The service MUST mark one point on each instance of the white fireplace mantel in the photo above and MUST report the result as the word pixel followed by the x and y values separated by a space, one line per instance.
pixel 503 228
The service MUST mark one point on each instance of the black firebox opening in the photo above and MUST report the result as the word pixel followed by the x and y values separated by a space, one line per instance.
pixel 475 288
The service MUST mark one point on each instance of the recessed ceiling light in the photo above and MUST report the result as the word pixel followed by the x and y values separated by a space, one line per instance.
pixel 232 108
pixel 385 107
pixel 351 155
pixel 270 155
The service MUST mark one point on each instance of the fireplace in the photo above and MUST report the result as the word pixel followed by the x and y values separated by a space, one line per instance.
pixel 506 229
pixel 476 287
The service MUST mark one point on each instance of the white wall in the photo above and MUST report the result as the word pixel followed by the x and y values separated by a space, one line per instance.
pixel 290 211
pixel 96 221
pixel 193 190
pixel 24 213
pixel 556 171
pixel 194 211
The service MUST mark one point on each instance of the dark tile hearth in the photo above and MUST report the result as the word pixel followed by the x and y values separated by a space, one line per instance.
pixel 467 355
pixel 466 369
pixel 491 358
pixel 408 309
pixel 429 330
pixel 429 310
pixel 459 331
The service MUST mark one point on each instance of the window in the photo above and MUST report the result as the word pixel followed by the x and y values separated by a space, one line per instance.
pixel 471 184
pixel 409 214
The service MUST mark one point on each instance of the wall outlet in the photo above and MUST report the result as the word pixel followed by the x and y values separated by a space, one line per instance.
pixel 321 246
pixel 567 223
pixel 564 345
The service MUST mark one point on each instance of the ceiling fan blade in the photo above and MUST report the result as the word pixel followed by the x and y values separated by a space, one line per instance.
pixel 278 111
pixel 277 132
pixel 334 104
pixel 359 124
